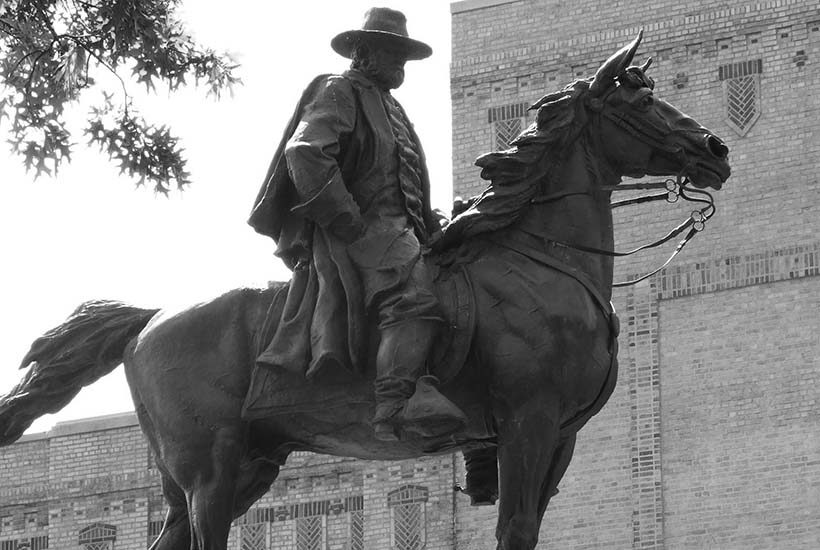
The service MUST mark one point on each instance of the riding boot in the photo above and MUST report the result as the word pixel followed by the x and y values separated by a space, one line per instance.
pixel 400 362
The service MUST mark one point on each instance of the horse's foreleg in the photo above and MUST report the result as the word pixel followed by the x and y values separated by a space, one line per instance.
pixel 528 437
pixel 560 463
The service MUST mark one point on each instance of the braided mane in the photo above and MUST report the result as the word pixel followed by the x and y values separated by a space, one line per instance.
pixel 515 174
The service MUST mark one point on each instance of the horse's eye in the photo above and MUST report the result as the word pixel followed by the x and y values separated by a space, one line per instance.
pixel 647 101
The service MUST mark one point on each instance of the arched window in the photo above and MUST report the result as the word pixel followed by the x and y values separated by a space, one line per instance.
pixel 98 536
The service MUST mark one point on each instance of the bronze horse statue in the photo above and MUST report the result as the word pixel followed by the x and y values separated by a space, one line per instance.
pixel 542 358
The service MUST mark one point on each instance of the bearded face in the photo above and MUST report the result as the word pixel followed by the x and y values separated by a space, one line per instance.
pixel 382 64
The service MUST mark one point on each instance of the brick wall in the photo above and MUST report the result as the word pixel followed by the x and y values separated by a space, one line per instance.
pixel 96 476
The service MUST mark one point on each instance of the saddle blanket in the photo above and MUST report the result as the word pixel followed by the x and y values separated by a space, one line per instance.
pixel 275 391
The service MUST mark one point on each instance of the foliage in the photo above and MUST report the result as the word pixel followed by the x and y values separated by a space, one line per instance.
pixel 52 50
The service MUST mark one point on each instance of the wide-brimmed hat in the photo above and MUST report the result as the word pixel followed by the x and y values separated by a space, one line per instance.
pixel 386 26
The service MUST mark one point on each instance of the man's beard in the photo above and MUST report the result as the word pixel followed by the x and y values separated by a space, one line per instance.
pixel 385 77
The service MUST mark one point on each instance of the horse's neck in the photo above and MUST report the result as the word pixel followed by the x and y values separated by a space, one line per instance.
pixel 576 216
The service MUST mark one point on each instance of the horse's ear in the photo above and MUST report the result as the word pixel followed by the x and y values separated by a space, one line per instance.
pixel 612 67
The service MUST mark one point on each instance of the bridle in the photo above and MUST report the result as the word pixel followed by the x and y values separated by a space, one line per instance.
pixel 674 189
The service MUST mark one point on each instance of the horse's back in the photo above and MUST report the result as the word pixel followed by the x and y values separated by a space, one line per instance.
pixel 191 368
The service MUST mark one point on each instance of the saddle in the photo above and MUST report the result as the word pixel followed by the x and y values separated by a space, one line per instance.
pixel 275 392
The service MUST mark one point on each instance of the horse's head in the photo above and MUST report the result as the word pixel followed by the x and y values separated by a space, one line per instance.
pixel 641 134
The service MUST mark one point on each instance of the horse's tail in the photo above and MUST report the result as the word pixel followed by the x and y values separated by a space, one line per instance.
pixel 86 347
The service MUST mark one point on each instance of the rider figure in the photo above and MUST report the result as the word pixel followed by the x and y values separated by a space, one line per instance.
pixel 359 174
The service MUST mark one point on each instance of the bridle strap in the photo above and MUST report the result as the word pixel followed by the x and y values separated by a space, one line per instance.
pixel 674 189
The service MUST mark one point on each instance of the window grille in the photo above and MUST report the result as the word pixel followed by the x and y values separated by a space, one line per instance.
pixel 254 536
pixel 309 533
pixel 8 545
pixel 102 545
pixel 39 543
pixel 357 530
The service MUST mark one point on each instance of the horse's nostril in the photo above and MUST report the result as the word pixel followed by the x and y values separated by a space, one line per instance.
pixel 716 146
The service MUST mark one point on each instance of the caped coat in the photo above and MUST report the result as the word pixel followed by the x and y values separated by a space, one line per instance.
pixel 332 165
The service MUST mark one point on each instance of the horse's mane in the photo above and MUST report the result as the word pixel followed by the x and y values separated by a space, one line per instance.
pixel 515 174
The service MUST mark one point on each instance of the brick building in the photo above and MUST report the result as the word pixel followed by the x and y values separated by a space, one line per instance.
pixel 711 438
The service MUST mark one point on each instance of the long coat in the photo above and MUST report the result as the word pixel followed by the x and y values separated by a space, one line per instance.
pixel 341 149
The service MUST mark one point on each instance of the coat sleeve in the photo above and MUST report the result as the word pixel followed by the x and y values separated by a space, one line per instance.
pixel 313 156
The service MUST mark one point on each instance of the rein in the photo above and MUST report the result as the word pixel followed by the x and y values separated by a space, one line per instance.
pixel 674 190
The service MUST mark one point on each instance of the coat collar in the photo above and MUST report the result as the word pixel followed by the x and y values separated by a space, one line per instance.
pixel 359 78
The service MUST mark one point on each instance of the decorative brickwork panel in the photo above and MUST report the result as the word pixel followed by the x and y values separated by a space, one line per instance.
pixel 103 545
pixel 254 537
pixel 408 494
pixel 98 532
pixel 643 376
pixel 309 533
pixel 505 131
pixel 357 530
pixel 154 529
pixel 407 512
pixel 408 526
pixel 742 102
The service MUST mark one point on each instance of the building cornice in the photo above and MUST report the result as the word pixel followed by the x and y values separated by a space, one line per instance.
pixel 470 5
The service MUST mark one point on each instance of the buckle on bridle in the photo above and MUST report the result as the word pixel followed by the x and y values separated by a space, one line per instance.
pixel 672 190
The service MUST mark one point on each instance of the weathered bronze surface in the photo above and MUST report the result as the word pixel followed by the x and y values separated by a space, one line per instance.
pixel 543 350
pixel 347 201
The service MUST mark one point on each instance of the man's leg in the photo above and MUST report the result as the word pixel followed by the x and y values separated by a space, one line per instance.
pixel 409 318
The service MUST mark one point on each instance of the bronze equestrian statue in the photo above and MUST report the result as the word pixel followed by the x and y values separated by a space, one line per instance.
pixel 347 199
pixel 535 319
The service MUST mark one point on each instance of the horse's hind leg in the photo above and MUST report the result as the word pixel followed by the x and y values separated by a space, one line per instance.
pixel 210 488
pixel 528 437
pixel 176 530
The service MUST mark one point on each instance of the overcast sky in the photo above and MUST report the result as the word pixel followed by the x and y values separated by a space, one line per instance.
pixel 88 234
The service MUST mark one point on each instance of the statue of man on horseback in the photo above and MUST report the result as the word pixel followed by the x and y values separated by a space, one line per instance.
pixel 347 200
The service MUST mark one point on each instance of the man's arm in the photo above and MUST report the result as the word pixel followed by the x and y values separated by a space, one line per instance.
pixel 312 154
